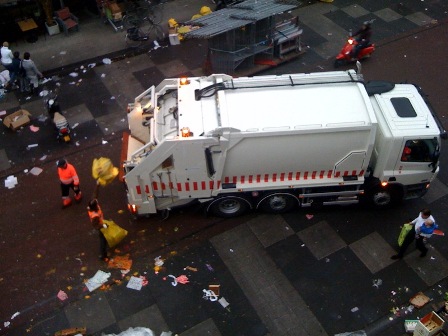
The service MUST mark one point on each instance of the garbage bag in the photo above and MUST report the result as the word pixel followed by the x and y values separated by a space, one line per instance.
pixel 104 171
pixel 114 234
pixel 404 231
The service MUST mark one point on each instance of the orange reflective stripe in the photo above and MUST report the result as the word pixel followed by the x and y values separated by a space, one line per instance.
pixel 68 175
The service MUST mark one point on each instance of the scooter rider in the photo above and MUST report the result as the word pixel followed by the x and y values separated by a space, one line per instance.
pixel 363 39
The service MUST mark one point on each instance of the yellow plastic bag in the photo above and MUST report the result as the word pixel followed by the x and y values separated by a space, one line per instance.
pixel 404 231
pixel 104 171
pixel 114 234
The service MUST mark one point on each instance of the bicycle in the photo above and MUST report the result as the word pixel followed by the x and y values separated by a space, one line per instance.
pixel 135 36
pixel 150 11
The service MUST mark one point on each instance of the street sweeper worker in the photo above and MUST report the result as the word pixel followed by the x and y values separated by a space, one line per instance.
pixel 69 180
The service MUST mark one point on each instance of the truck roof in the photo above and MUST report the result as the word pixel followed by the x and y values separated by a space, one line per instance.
pixel 404 112
pixel 272 103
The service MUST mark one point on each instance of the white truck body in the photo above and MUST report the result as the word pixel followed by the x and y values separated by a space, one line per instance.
pixel 275 142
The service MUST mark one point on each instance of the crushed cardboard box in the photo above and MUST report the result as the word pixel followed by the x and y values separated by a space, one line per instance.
pixel 17 119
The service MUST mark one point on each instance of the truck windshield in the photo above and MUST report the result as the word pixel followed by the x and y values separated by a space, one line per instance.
pixel 420 150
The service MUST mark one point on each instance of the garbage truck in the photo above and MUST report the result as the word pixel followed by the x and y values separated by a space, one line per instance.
pixel 275 143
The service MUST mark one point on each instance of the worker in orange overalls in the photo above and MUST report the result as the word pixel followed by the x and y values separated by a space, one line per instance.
pixel 69 180
pixel 96 218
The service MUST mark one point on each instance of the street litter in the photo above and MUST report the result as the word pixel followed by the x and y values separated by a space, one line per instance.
pixel 209 295
pixel 209 267
pixel 104 142
pixel 11 182
pixel 419 300
pixel 2 113
pixel 377 283
pixel 31 146
pixel 103 75
pixel 214 288
pixel 354 309
pixel 182 279
pixel 194 269
pixel 43 158
pixel 92 65
pixel 308 216
pixel 42 118
pixel 97 280
pixel 15 315
pixel 158 261
pixel 224 303
pixel 36 171
pixel 71 332
pixel 73 74
pixel 353 333
pixel 25 171
pixel 34 128
pixel 138 331
pixel 409 325
pixel 75 125
pixel 107 61
pixel 62 295
pixel 120 262
pixel 45 80
pixel 135 283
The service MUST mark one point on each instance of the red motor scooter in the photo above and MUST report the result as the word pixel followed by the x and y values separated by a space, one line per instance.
pixel 345 55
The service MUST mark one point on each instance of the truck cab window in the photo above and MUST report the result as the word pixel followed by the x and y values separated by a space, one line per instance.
pixel 421 150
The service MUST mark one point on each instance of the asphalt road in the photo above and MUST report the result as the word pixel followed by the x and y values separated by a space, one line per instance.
pixel 45 249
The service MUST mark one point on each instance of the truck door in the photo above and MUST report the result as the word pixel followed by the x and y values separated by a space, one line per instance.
pixel 418 161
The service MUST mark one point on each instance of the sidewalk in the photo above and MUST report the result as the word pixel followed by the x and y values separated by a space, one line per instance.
pixel 275 281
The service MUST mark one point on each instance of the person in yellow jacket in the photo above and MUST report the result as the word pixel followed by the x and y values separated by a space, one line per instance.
pixel 96 218
pixel 69 180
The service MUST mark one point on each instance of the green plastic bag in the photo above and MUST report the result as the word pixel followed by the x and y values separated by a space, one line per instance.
pixel 114 234
pixel 404 231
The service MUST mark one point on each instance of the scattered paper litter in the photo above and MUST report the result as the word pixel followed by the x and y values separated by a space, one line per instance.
pixel 103 75
pixel 11 182
pixel 223 302
pixel 73 74
pixel 135 283
pixel 92 65
pixel 156 45
pixel 354 309
pixel 15 315
pixel 62 52
pixel 75 125
pixel 113 97
pixel 2 113
pixel 34 128
pixel 62 295
pixel 31 146
pixel 36 171
pixel 107 61
pixel 97 280
pixel 6 324
pixel 138 331
pixel 45 80
pixel 104 142
pixel 158 261
pixel 42 118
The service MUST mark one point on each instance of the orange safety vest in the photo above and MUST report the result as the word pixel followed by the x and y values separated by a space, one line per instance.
pixel 95 214
pixel 68 175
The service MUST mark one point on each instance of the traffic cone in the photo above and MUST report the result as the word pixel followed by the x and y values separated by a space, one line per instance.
pixel 78 197
pixel 66 202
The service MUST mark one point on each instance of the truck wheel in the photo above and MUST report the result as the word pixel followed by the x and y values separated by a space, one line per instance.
pixel 381 198
pixel 278 203
pixel 228 207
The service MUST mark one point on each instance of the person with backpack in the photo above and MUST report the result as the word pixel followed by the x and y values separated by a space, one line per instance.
pixel 32 73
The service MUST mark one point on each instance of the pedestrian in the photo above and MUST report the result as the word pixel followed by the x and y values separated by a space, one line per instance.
pixel 97 219
pixel 69 180
pixel 32 73
pixel 7 56
pixel 416 233
pixel 17 72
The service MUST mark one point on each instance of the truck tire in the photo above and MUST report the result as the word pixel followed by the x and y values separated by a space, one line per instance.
pixel 229 206
pixel 385 197
pixel 278 203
